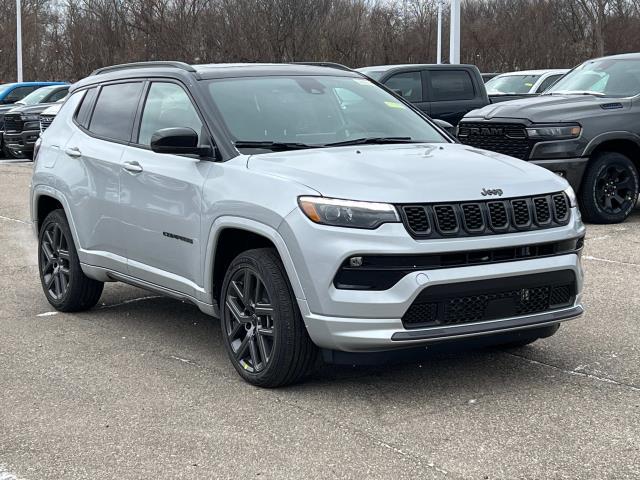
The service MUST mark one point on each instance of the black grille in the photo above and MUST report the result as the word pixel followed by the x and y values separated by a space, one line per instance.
pixel 506 138
pixel 45 122
pixel 521 214
pixel 417 219
pixel 561 207
pixel 490 300
pixel 446 218
pixel 12 123
pixel 473 218
pixel 486 217
pixel 541 210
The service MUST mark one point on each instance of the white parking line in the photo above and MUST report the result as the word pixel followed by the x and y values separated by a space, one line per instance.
pixel 606 260
pixel 14 220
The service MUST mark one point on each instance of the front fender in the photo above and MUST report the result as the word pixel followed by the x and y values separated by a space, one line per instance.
pixel 253 226
pixel 604 137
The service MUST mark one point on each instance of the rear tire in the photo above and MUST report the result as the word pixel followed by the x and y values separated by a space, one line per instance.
pixel 65 285
pixel 609 189
pixel 262 329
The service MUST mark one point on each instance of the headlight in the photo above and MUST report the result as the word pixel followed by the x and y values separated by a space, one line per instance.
pixel 30 118
pixel 573 200
pixel 347 213
pixel 555 132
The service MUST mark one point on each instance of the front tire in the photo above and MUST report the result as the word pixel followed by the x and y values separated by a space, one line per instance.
pixel 65 285
pixel 262 329
pixel 609 189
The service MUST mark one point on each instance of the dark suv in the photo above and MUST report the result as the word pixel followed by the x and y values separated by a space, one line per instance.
pixel 585 128
pixel 22 123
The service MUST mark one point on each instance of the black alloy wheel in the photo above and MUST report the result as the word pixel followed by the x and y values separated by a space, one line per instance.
pixel 609 189
pixel 54 258
pixel 249 320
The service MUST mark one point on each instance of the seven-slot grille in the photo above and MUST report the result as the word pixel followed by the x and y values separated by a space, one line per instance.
pixel 506 138
pixel 486 217
pixel 45 121
pixel 12 123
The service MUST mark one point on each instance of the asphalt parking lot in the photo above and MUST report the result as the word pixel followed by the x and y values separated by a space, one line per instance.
pixel 140 387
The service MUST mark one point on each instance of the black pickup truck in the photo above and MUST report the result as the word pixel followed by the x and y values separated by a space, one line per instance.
pixel 444 92
pixel 585 128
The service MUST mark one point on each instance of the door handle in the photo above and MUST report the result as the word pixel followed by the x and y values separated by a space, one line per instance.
pixel 133 167
pixel 73 152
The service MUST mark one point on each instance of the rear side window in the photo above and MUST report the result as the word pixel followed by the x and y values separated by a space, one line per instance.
pixel 84 112
pixel 408 84
pixel 59 95
pixel 451 85
pixel 115 110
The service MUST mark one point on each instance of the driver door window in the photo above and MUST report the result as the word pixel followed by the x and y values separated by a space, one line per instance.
pixel 167 106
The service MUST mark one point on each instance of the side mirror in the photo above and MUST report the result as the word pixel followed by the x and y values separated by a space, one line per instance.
pixel 178 141
pixel 450 129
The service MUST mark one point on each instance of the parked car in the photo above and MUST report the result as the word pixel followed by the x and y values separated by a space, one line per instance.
pixel 22 123
pixel 444 92
pixel 43 94
pixel 48 115
pixel 586 128
pixel 319 214
pixel 523 83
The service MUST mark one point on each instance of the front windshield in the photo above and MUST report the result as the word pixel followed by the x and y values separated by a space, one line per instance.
pixel 606 77
pixel 315 110
pixel 506 84
pixel 37 96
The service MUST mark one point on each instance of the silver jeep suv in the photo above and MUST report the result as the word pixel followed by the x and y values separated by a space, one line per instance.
pixel 306 206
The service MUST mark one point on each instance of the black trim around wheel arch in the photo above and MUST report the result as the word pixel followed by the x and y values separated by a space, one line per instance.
pixel 489 327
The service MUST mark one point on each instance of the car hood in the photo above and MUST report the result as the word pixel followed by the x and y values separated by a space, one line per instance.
pixel 39 108
pixel 408 173
pixel 551 108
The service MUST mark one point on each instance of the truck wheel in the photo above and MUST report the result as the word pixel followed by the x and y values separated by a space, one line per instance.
pixel 262 328
pixel 609 189
pixel 65 285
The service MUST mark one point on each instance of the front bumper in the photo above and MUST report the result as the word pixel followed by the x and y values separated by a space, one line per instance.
pixel 572 169
pixel 361 320
pixel 22 142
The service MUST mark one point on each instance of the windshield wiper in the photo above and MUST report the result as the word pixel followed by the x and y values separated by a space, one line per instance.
pixel 273 145
pixel 372 140
pixel 585 92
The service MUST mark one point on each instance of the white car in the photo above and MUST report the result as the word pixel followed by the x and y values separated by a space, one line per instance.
pixel 525 82
pixel 47 116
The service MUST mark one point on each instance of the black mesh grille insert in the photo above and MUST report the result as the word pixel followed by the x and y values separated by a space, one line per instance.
pixel 498 215
pixel 12 123
pixel 491 300
pixel 542 210
pixel 446 218
pixel 417 219
pixel 508 139
pixel 486 217
pixel 473 220
pixel 521 215
pixel 561 207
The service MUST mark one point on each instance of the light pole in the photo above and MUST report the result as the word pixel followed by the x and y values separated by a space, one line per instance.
pixel 19 37
pixel 439 53
pixel 454 42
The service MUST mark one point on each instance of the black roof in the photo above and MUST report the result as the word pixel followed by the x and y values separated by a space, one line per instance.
pixel 188 72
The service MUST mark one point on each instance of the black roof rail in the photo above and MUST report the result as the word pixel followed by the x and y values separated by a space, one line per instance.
pixel 338 66
pixel 181 65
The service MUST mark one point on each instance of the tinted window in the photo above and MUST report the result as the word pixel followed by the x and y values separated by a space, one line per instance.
pixel 408 84
pixel 115 110
pixel 547 82
pixel 167 106
pixel 19 93
pixel 451 85
pixel 59 95
pixel 84 112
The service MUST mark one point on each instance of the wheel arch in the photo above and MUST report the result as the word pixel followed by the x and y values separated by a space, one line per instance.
pixel 45 199
pixel 230 236
pixel 626 143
